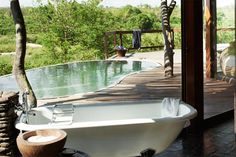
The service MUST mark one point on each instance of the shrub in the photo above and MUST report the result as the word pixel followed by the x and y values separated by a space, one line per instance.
pixel 77 52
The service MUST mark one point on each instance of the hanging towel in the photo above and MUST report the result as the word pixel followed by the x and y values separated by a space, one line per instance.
pixel 170 107
pixel 136 41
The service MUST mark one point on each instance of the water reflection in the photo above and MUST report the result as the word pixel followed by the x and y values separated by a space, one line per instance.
pixel 78 77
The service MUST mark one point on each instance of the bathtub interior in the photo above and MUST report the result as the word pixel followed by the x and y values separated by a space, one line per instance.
pixel 103 112
pixel 41 115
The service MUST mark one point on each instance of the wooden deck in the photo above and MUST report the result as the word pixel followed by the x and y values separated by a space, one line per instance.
pixel 218 97
pixel 151 85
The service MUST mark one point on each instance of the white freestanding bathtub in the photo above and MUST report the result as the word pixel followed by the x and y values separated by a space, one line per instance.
pixel 111 129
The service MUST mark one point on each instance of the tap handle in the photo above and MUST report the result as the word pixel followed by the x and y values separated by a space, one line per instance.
pixel 24 95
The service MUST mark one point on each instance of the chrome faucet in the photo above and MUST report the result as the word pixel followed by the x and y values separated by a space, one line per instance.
pixel 25 101
pixel 25 107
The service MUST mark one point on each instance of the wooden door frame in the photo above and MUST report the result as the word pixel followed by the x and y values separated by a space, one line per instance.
pixel 192 57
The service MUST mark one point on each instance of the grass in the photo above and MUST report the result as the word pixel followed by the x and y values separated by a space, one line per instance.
pixel 6 64
pixel 7 43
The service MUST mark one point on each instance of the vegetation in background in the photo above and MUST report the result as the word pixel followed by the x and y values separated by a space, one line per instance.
pixel 71 31
pixel 225 19
pixel 232 48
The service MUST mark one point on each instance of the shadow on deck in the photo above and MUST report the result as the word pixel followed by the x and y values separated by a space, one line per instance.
pixel 151 85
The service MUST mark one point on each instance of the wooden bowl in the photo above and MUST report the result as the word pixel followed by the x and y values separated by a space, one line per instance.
pixel 121 53
pixel 41 143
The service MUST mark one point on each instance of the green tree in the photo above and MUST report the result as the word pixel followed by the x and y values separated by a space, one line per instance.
pixel 70 24
pixel 129 11
pixel 141 21
pixel 220 18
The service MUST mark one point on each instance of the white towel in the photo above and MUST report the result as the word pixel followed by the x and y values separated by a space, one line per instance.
pixel 170 107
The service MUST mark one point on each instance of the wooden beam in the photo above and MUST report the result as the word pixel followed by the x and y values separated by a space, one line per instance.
pixel 147 47
pixel 130 32
pixel 192 57
pixel 211 52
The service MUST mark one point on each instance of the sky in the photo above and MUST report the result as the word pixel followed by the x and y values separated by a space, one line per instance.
pixel 114 3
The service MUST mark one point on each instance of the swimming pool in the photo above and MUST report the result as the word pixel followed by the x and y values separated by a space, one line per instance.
pixel 77 77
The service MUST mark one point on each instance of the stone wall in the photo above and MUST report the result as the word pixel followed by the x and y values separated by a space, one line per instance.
pixel 8 133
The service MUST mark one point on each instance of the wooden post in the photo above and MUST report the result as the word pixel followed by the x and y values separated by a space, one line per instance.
pixel 115 39
pixel 211 50
pixel 121 41
pixel 106 46
pixel 192 57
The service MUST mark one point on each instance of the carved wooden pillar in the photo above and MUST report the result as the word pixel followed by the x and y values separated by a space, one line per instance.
pixel 211 49
pixel 192 57
pixel 166 11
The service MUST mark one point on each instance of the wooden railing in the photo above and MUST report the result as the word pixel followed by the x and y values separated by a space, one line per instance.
pixel 225 29
pixel 120 42
pixel 121 33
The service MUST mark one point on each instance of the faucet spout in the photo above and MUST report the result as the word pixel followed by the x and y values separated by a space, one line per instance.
pixel 25 106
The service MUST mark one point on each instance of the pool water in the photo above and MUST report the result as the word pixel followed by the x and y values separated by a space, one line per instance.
pixel 76 77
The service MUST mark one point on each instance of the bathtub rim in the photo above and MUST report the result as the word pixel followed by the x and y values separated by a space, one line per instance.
pixel 190 115
pixel 20 125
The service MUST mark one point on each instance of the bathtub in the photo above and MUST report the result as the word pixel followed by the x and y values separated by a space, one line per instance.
pixel 111 129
